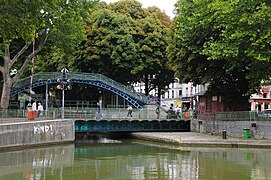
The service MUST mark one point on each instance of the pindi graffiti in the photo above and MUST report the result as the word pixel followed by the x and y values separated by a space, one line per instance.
pixel 43 129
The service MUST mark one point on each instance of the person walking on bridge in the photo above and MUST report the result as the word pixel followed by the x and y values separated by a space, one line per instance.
pixel 98 110
pixel 157 111
pixel 130 111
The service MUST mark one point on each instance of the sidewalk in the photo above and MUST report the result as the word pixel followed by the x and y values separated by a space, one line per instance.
pixel 202 140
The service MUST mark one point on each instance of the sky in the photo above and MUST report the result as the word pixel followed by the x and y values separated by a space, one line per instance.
pixel 164 5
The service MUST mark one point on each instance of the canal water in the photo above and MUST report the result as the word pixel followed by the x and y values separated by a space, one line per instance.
pixel 113 158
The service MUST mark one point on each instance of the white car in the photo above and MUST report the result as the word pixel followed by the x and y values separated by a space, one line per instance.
pixel 265 113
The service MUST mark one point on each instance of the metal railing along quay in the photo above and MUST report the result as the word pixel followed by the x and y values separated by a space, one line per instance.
pixel 15 115
pixel 236 116
pixel 121 113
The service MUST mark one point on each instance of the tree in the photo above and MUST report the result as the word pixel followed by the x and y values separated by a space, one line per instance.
pixel 25 28
pixel 127 43
pixel 224 43
pixel 109 48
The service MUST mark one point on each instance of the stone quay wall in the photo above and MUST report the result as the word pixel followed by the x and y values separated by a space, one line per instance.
pixel 258 129
pixel 36 132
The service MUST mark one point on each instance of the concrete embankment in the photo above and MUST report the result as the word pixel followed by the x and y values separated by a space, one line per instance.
pixel 202 140
pixel 36 132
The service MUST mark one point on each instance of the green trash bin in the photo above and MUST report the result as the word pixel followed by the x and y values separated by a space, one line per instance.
pixel 246 133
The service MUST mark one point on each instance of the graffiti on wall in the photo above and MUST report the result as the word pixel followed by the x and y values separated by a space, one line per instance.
pixel 43 129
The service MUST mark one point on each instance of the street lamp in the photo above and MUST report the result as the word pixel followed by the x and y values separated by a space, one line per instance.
pixel 191 96
pixel 46 82
pixel 47 95
pixel 64 84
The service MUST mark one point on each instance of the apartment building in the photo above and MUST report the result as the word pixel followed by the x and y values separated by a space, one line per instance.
pixel 179 94
pixel 261 100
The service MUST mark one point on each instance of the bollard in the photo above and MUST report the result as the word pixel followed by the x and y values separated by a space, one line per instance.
pixel 224 134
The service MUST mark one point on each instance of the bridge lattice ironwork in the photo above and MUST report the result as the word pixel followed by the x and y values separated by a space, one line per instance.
pixel 40 79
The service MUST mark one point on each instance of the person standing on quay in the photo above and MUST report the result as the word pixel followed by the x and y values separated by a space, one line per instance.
pixel 29 106
pixel 130 111
pixel 34 105
pixel 40 110
pixel 34 108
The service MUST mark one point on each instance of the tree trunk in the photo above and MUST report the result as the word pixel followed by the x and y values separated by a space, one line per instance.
pixel 7 85
pixel 5 69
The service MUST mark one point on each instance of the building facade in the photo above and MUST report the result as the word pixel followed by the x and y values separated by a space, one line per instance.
pixel 178 94
pixel 261 100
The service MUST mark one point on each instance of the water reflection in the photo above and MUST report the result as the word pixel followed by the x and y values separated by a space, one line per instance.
pixel 33 163
pixel 102 157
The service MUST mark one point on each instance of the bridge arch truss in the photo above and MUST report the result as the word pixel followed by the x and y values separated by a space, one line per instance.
pixel 42 79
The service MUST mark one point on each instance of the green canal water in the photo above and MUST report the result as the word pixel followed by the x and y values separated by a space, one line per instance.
pixel 106 158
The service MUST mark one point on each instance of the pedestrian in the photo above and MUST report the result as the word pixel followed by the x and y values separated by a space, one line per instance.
pixel 34 105
pixel 29 106
pixel 98 110
pixel 130 111
pixel 178 111
pixel 157 111
pixel 40 110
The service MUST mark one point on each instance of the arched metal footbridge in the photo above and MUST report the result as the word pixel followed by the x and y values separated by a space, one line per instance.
pixel 109 120
pixel 44 78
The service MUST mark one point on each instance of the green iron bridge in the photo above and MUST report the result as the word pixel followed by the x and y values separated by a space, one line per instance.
pixel 109 120
pixel 131 125
pixel 138 100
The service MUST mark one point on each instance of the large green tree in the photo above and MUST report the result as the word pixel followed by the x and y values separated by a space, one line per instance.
pixel 109 49
pixel 223 43
pixel 127 43
pixel 26 27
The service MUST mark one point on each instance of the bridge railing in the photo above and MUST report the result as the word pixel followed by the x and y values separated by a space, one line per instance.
pixel 14 115
pixel 83 76
pixel 19 115
pixel 110 82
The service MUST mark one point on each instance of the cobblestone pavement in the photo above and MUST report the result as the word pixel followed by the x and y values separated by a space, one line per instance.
pixel 200 139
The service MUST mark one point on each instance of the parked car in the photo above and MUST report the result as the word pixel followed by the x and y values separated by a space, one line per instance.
pixel 265 113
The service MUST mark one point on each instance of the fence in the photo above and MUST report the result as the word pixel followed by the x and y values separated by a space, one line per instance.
pixel 236 116
pixel 12 115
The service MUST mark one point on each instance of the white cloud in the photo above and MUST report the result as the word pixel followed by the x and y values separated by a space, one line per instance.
pixel 164 5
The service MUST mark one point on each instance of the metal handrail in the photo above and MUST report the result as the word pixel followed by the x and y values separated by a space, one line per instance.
pixel 12 115
pixel 44 76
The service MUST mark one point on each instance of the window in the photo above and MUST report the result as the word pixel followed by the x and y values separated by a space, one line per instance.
pixel 180 92
pixel 186 91
pixel 264 95
pixel 172 95
pixel 167 94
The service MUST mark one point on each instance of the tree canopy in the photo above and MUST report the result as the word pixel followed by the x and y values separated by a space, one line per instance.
pixel 25 28
pixel 127 43
pixel 224 43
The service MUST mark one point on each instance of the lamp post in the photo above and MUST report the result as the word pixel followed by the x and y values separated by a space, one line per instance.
pixel 191 96
pixel 46 82
pixel 47 95
pixel 64 83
